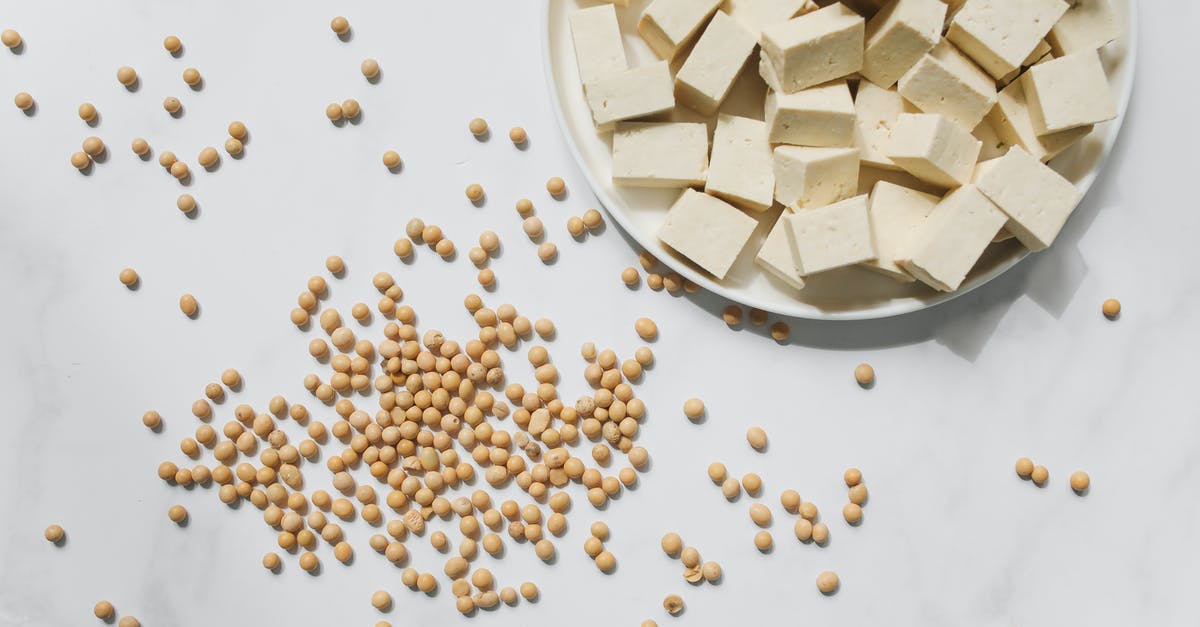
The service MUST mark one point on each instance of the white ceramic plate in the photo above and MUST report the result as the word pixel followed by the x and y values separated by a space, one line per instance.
pixel 845 294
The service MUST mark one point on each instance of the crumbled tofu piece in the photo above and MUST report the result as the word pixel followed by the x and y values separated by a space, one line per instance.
pixel 947 82
pixel 898 36
pixel 814 48
pixel 1068 92
pixel 668 154
pixel 1000 34
pixel 876 110
pixel 1036 199
pixel 706 230
pixel 759 14
pixel 812 177
pixel 817 116
pixel 991 145
pixel 897 214
pixel 952 238
pixel 713 64
pixel 637 92
pixel 1088 25
pixel 598 48
pixel 670 25
pixel 833 236
pixel 778 257
pixel 933 149
pixel 741 169
pixel 1011 120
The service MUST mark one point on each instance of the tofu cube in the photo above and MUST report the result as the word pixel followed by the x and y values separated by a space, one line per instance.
pixel 812 49
pixel 1000 34
pixel 952 238
pixel 778 257
pixel 933 149
pixel 597 38
pixel 813 177
pixel 713 65
pixel 635 93
pixel 817 116
pixel 668 26
pixel 756 15
pixel 668 154
pixel 1036 199
pixel 707 230
pixel 947 82
pixel 876 111
pixel 898 36
pixel 1088 25
pixel 897 214
pixel 741 170
pixel 1068 92
pixel 831 237
pixel 1013 125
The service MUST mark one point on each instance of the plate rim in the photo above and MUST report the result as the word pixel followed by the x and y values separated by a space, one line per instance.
pixel 878 312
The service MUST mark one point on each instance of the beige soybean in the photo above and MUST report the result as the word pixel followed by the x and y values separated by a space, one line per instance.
pixel 760 514
pixel 139 146
pixel 1080 481
pixel 827 582
pixel 1039 475
pixel 191 76
pixel 752 483
pixel 103 610
pixel 852 476
pixel 864 374
pixel 673 604
pixel 672 544
pixel 172 104
pixel 1111 308
pixel 10 38
pixel 87 112
pixel 852 512
pixel 172 44
pixel 369 68
pixel 54 533
pixel 475 192
pixel 128 276
pixel 23 101
pixel 763 540
pixel 556 186
pixel 517 135
pixel 858 494
pixel 757 438
pixel 1024 467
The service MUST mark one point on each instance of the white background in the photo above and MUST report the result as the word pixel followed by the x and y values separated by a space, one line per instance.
pixel 1024 366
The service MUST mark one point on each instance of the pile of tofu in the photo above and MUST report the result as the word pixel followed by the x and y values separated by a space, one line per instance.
pixel 967 98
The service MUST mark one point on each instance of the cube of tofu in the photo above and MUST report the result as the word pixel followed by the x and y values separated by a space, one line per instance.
pixel 813 177
pixel 756 15
pixel 1036 199
pixel 635 93
pixel 817 116
pixel 741 169
pixel 713 65
pixel 706 230
pixel 897 214
pixel 778 257
pixel 876 111
pixel 1000 34
pixel 947 82
pixel 1014 126
pixel 597 38
pixel 670 25
pixel 1068 92
pixel 933 149
pixel 669 154
pixel 831 237
pixel 952 238
pixel 814 48
pixel 1088 25
pixel 898 36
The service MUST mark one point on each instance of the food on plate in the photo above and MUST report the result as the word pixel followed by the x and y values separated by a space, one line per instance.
pixel 905 137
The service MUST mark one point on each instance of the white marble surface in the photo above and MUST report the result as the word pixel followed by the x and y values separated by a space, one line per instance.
pixel 1025 366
